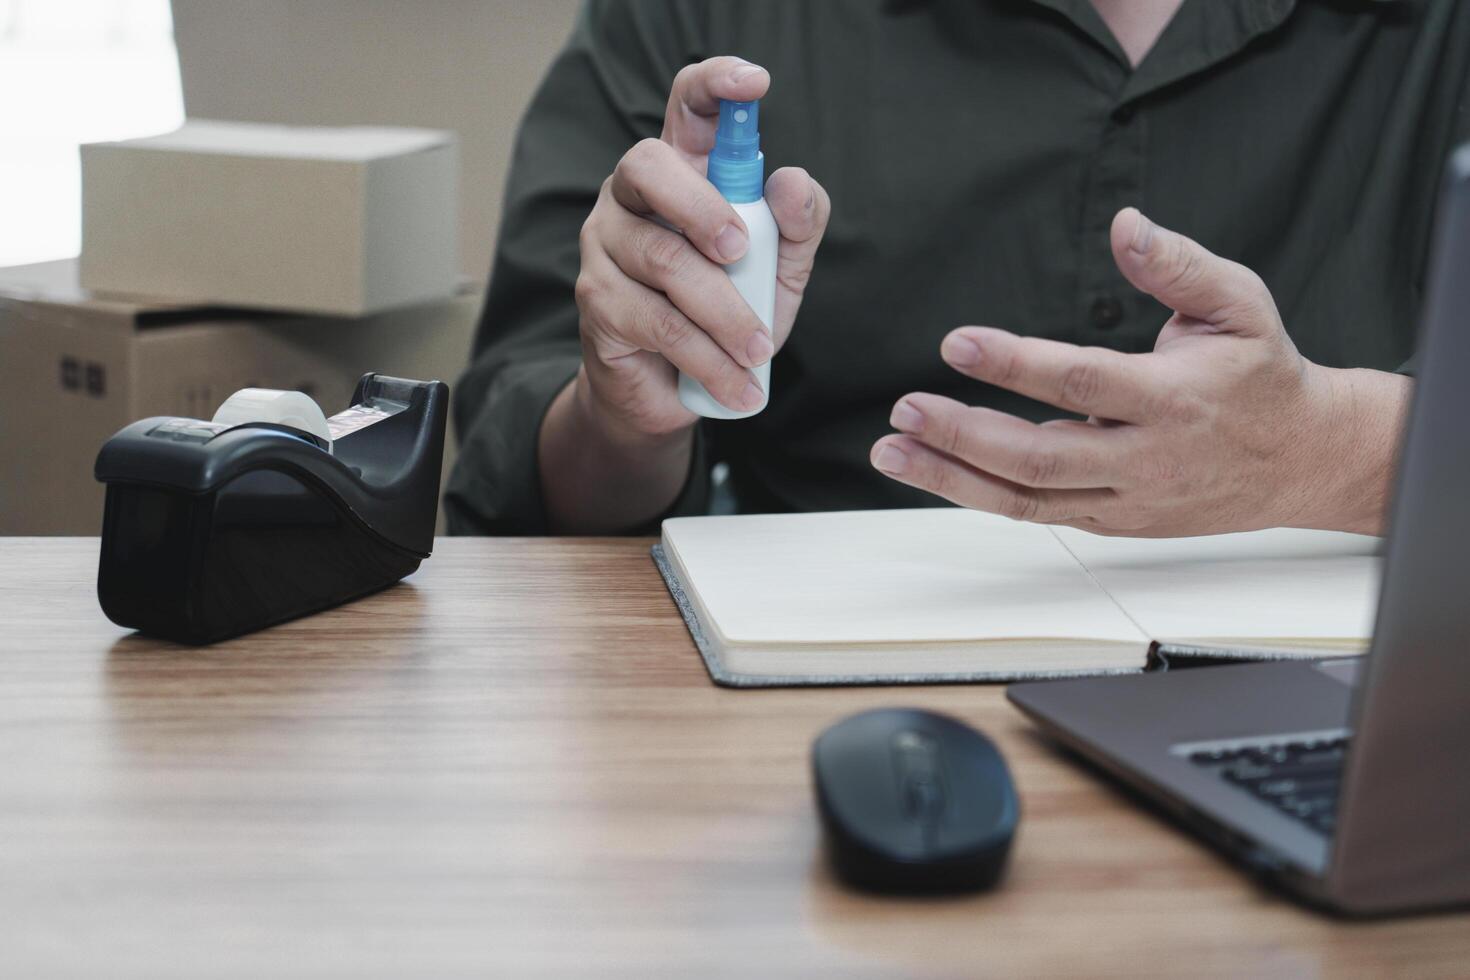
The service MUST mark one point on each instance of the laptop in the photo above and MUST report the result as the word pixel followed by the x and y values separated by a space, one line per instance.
pixel 1344 782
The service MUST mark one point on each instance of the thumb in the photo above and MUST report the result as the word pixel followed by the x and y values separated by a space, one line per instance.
pixel 1187 277
pixel 693 111
pixel 801 208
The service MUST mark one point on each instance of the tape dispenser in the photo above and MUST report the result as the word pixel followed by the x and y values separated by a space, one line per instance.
pixel 270 510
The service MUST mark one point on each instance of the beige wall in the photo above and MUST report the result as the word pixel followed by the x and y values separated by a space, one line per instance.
pixel 464 65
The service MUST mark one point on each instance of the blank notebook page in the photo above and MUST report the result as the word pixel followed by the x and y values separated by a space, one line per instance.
pixel 911 576
pixel 1277 584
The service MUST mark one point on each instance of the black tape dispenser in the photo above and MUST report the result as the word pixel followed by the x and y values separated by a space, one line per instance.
pixel 270 511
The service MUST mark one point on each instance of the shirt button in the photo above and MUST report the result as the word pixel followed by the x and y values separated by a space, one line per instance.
pixel 1107 312
pixel 1123 115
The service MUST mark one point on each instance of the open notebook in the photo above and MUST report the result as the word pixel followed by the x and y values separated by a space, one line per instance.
pixel 945 594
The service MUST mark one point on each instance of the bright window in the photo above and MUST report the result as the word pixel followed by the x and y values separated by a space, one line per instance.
pixel 73 72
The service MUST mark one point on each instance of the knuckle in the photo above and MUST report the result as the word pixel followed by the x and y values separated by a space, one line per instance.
pixel 670 329
pixel 647 151
pixel 939 477
pixel 1038 467
pixel 948 434
pixel 586 291
pixel 595 337
pixel 685 76
pixel 625 170
pixel 1019 505
pixel 1176 404
pixel 699 208
pixel 587 234
pixel 793 273
pixel 1254 285
pixel 1255 296
pixel 668 256
pixel 1008 369
pixel 1186 266
pixel 1081 383
pixel 636 163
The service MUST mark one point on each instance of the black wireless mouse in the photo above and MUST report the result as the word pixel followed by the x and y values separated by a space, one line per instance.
pixel 914 801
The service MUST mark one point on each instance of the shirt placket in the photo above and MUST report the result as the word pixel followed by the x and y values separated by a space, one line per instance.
pixel 1204 32
pixel 1115 175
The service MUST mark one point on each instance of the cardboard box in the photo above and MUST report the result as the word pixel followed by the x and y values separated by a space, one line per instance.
pixel 337 220
pixel 75 368
pixel 468 66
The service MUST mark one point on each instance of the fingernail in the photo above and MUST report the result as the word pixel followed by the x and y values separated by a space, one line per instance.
pixel 759 349
pixel 906 418
pixel 891 459
pixel 730 242
pixel 1143 235
pixel 751 397
pixel 961 350
pixel 745 71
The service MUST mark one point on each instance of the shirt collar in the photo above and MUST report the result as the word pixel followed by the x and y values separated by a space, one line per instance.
pixel 1362 6
pixel 1202 33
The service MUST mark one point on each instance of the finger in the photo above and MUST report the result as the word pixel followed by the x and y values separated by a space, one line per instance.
pixel 694 102
pixel 910 461
pixel 666 261
pixel 651 180
pixel 634 315
pixel 1085 380
pixel 801 208
pixel 1185 276
pixel 1021 452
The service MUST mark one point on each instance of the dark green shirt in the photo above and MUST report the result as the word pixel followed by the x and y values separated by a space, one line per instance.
pixel 976 152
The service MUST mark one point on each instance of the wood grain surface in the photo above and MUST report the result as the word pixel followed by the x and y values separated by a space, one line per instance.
pixel 513 764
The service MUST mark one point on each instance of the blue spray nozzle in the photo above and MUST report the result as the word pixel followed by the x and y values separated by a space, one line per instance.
pixel 736 166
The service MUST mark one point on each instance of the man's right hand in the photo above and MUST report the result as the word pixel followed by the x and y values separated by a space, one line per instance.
pixel 615 446
pixel 655 301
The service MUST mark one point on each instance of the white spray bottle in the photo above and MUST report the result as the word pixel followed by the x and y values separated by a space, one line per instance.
pixel 737 168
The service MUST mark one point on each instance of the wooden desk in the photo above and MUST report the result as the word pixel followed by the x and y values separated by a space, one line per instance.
pixel 514 764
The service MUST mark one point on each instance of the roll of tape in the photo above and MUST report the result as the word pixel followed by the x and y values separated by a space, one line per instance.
pixel 293 408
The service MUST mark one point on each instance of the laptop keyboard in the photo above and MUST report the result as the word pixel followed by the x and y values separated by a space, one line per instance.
pixel 1299 778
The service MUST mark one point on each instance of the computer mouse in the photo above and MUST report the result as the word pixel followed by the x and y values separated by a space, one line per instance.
pixel 914 801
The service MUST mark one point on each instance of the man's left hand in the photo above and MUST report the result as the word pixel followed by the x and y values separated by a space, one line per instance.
pixel 1223 427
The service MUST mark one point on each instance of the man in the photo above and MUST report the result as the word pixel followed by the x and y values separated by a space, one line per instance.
pixel 972 161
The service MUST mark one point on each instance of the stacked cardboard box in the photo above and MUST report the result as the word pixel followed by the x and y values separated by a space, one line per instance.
pixel 218 257
pixel 75 367
pixel 468 66
pixel 341 220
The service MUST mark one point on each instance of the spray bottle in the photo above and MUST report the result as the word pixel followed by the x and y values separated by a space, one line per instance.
pixel 737 168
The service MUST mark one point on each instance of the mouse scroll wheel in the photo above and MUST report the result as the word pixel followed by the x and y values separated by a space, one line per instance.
pixel 923 799
pixel 917 765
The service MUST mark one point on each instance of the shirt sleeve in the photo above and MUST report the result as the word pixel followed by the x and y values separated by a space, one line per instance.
pixel 605 91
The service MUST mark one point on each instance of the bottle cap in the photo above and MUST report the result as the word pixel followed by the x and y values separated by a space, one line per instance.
pixel 736 165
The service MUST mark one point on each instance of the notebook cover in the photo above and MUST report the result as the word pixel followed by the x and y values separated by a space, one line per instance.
pixel 724 678
pixel 1179 655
